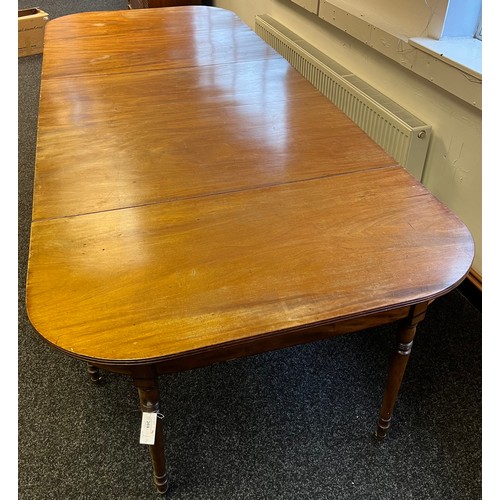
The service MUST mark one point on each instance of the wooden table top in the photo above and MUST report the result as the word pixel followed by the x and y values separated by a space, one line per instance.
pixel 193 190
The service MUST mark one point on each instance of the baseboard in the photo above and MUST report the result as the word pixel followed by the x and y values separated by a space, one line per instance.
pixel 472 288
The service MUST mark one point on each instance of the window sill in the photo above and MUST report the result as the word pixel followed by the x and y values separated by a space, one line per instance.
pixel 464 54
pixel 440 65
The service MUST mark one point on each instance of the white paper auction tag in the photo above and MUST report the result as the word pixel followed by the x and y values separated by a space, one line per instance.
pixel 148 428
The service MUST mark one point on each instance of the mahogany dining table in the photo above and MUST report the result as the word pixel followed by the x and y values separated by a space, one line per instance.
pixel 197 200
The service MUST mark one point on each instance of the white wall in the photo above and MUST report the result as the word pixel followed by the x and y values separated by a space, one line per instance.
pixel 453 170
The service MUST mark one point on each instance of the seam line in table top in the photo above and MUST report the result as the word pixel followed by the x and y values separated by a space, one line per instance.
pixel 174 199
pixel 147 69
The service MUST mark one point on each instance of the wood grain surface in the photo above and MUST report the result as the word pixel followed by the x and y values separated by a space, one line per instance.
pixel 192 190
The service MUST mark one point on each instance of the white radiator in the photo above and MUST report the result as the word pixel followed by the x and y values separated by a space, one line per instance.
pixel 401 134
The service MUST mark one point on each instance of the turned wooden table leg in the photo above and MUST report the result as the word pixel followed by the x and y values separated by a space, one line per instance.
pixel 93 372
pixel 150 402
pixel 405 336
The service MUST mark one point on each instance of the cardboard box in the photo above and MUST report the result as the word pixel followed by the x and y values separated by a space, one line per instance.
pixel 31 28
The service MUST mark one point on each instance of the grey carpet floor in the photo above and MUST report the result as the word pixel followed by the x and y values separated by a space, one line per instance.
pixel 293 424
